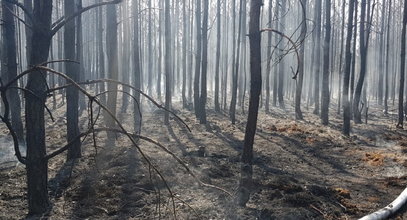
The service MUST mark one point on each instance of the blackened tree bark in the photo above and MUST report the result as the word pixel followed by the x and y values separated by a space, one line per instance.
pixel 353 65
pixel 137 67
pixel 198 57
pixel 402 67
pixel 381 55
pixel 341 39
pixel 298 92
pixel 28 4
pixel 281 72
pixel 268 67
pixel 276 42
pixel 218 48
pixel 203 96
pixel 317 51
pixel 255 90
pixel 101 53
pixel 386 80
pixel 10 47
pixel 346 75
pixel 72 94
pixel 112 57
pixel 235 72
pixel 326 72
pixel 37 169
pixel 167 61
pixel 150 50
pixel 184 55
pixel 79 55
pixel 160 50
pixel 125 61
pixel 357 112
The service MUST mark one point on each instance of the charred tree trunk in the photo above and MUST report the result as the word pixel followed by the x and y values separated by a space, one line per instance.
pixel 346 75
pixel 325 77
pixel 357 112
pixel 197 57
pixel 218 48
pixel 203 96
pixel 255 90
pixel 386 83
pixel 137 68
pixel 37 169
pixel 235 72
pixel 353 65
pixel 276 42
pixel 281 73
pixel 268 67
pixel 184 55
pixel 101 52
pixel 112 53
pixel 402 67
pixel 298 92
pixel 10 69
pixel 72 93
pixel 150 50
pixel 168 53
pixel 317 48
pixel 381 56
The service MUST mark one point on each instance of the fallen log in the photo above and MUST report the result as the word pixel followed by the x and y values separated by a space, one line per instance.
pixel 389 210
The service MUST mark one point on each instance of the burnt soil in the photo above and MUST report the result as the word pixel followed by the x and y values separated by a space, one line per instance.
pixel 302 170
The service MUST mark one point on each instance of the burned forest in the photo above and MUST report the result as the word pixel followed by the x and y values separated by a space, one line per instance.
pixel 203 109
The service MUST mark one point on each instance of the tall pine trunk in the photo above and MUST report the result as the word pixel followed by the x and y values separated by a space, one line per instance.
pixel 168 53
pixel 37 168
pixel 298 92
pixel 402 67
pixel 255 90
pixel 203 96
pixel 72 93
pixel 326 72
pixel 218 48
pixel 10 69
pixel 197 57
pixel 346 75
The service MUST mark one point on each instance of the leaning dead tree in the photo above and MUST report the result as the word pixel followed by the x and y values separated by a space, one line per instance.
pixel 95 106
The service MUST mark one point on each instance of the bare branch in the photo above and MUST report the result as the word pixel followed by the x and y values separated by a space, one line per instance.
pixel 62 21
pixel 20 5
pixel 19 19
pixel 129 86
pixel 292 42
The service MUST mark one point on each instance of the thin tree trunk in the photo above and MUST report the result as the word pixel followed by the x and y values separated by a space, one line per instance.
pixel 346 75
pixel 184 55
pixel 255 90
pixel 402 67
pixel 386 83
pixel 317 61
pixel 268 66
pixel 325 77
pixel 235 72
pixel 357 113
pixel 72 93
pixel 281 73
pixel 298 92
pixel 197 57
pixel 168 53
pixel 218 48
pixel 10 69
pixel 137 68
pixel 203 96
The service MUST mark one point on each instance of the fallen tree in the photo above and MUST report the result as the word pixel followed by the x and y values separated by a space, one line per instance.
pixel 389 210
